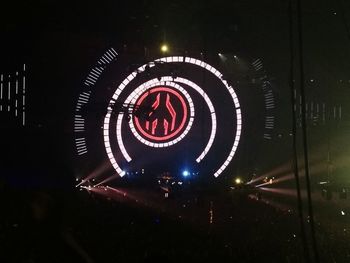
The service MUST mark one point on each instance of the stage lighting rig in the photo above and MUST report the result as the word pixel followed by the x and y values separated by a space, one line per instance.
pixel 129 109
pixel 157 69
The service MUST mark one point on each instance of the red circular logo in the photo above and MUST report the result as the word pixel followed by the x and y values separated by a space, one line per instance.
pixel 163 113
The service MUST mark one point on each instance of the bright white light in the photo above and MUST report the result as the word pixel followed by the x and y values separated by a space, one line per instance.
pixel 164 48
pixel 108 148
pixel 1 85
pixel 185 173
pixel 119 138
pixel 325 182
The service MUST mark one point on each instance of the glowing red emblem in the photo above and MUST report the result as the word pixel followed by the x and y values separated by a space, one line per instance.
pixel 167 117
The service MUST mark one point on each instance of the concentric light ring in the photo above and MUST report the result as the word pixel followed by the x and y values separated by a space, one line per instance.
pixel 176 59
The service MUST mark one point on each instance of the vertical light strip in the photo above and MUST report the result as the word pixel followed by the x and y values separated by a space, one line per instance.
pixel 16 97
pixel 120 139
pixel 9 93
pixel 24 95
pixel 108 147
pixel 1 90
pixel 16 82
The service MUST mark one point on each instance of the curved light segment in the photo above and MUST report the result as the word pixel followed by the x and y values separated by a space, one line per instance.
pixel 108 146
pixel 119 138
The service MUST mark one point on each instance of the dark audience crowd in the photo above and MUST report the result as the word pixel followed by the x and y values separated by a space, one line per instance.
pixel 80 226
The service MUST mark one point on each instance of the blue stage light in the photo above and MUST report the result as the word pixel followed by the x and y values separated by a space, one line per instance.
pixel 185 173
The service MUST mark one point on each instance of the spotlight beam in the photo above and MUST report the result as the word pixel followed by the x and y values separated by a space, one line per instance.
pixel 107 180
pixel 96 173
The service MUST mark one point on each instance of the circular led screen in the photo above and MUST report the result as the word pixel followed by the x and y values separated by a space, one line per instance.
pixel 166 116
pixel 162 108
pixel 168 113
